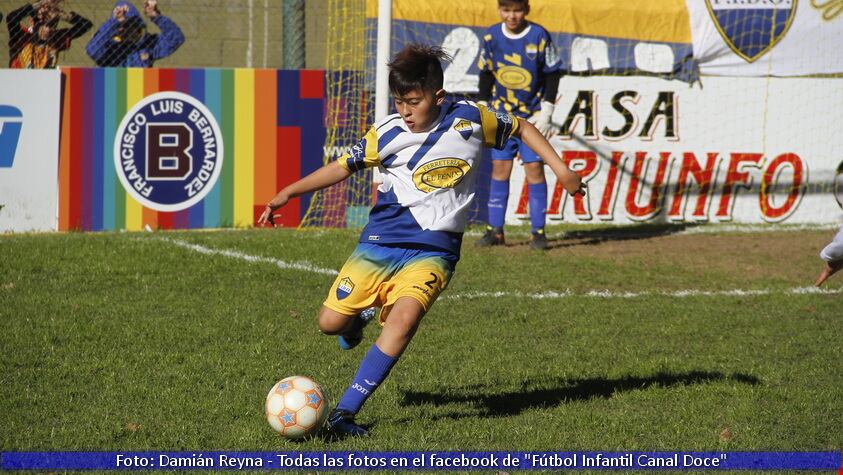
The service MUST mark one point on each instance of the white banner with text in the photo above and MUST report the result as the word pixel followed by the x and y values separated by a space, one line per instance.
pixel 746 150
pixel 29 141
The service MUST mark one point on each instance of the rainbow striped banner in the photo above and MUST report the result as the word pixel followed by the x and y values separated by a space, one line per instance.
pixel 272 122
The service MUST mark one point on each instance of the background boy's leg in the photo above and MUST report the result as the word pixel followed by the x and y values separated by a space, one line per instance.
pixel 538 194
pixel 499 192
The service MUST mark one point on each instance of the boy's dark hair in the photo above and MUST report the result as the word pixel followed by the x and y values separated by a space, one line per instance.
pixel 417 67
pixel 506 3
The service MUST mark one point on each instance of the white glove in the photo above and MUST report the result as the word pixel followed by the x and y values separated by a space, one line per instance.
pixel 541 120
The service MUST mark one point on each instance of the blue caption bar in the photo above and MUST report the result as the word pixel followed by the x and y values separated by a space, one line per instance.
pixel 453 461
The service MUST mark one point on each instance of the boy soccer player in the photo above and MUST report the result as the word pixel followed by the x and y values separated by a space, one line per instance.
pixel 518 58
pixel 427 154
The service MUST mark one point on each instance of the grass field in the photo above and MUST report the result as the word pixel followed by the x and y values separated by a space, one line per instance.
pixel 635 338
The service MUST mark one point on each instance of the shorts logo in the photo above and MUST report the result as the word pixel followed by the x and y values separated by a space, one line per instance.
pixel 422 290
pixel 11 122
pixel 168 151
pixel 345 287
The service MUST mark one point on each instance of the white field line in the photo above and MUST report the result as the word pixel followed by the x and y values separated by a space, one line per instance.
pixel 547 294
pixel 690 229
pixel 757 228
pixel 608 294
pixel 300 265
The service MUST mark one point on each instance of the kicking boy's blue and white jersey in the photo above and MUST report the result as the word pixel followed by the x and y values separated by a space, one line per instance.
pixel 428 177
pixel 519 63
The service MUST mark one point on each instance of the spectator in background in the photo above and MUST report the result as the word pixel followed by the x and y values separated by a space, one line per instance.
pixel 124 41
pixel 35 40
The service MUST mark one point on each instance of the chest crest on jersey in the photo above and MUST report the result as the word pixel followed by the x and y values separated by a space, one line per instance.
pixel 531 50
pixel 440 173
pixel 465 128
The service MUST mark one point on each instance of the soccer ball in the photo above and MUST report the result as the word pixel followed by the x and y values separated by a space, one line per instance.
pixel 296 407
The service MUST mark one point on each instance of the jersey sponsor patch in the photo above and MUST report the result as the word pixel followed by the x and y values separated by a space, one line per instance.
pixel 514 77
pixel 441 173
pixel 168 151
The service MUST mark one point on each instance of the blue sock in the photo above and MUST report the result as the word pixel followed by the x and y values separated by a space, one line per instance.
pixel 373 370
pixel 538 204
pixel 498 197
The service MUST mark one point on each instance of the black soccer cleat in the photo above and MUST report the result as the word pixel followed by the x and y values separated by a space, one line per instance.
pixel 341 424
pixel 539 240
pixel 492 237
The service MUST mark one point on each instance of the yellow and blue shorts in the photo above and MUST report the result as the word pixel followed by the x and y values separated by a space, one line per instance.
pixel 378 275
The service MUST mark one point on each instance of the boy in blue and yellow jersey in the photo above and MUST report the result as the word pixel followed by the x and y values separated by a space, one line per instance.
pixel 520 63
pixel 428 155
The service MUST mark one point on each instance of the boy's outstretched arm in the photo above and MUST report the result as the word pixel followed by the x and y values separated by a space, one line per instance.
pixel 534 139
pixel 324 177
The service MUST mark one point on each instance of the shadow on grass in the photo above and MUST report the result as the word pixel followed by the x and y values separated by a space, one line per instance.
pixel 592 237
pixel 489 402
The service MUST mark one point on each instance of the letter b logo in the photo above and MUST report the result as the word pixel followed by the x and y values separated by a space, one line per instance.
pixel 11 121
pixel 167 156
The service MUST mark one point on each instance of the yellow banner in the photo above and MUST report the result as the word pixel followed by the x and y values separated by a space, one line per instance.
pixel 642 20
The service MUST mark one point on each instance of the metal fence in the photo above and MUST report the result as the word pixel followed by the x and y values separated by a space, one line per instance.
pixel 218 33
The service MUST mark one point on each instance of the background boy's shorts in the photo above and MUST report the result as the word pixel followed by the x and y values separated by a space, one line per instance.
pixel 378 275
pixel 514 147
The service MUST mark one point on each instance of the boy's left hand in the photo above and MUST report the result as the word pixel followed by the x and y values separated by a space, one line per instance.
pixel 267 217
pixel 579 190
pixel 573 184
pixel 829 270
